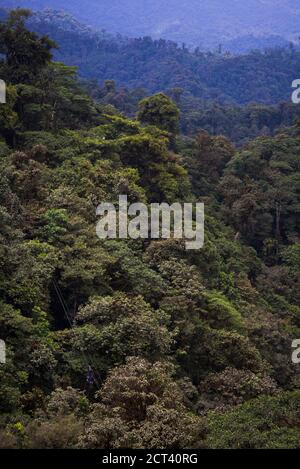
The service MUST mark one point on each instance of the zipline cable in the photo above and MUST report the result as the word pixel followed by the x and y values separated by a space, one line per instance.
pixel 92 374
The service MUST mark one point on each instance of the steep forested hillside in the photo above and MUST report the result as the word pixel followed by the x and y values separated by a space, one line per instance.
pixel 204 23
pixel 131 343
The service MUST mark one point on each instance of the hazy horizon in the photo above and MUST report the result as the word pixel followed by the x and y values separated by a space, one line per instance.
pixel 203 23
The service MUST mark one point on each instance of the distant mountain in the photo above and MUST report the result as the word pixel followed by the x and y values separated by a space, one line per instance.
pixel 57 22
pixel 204 23
pixel 247 43
pixel 160 65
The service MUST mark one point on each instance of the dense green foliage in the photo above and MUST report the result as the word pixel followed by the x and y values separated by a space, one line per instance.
pixel 188 348
pixel 239 123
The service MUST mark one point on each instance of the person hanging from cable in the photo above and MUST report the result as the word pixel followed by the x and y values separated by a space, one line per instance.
pixel 90 378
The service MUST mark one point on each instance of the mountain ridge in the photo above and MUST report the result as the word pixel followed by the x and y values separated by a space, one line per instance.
pixel 197 23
